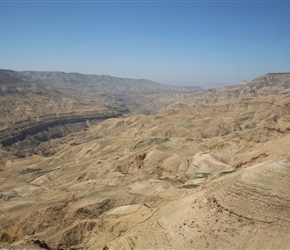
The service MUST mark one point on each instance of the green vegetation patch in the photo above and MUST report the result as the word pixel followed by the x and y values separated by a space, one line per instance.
pixel 244 118
pixel 156 140
pixel 30 170
pixel 180 181
pixel 190 186
pixel 153 140
pixel 20 207
pixel 227 172
pixel 103 192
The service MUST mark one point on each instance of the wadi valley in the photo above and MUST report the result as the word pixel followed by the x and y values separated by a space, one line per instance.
pixel 96 162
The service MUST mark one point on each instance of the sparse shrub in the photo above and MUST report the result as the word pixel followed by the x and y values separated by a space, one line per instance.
pixel 190 186
pixel 29 170
pixel 227 172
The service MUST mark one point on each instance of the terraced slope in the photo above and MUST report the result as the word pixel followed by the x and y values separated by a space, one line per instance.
pixel 244 210
pixel 38 106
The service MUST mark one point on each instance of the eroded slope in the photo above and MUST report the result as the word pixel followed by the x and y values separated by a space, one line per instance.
pixel 216 176
pixel 39 106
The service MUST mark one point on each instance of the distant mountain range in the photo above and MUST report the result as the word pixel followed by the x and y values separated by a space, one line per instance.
pixel 102 83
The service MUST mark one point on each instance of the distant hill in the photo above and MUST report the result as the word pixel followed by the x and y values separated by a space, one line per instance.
pixel 268 84
pixel 8 76
pixel 104 84
pixel 271 83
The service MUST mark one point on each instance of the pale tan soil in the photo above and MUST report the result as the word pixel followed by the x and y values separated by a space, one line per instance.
pixel 211 177
pixel 215 176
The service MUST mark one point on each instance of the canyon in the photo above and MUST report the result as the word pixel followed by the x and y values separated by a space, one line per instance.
pixel 97 162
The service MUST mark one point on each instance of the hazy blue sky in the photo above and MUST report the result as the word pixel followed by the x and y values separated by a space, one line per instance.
pixel 165 41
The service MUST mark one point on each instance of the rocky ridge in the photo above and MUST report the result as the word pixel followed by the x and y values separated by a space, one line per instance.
pixel 271 83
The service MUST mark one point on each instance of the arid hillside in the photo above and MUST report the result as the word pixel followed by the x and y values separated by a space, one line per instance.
pixel 271 83
pixel 211 174
pixel 38 106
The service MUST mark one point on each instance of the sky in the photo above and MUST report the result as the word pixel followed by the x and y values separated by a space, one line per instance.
pixel 204 43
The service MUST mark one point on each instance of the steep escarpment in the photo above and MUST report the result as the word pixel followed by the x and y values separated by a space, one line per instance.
pixel 39 106
pixel 18 131
pixel 23 138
